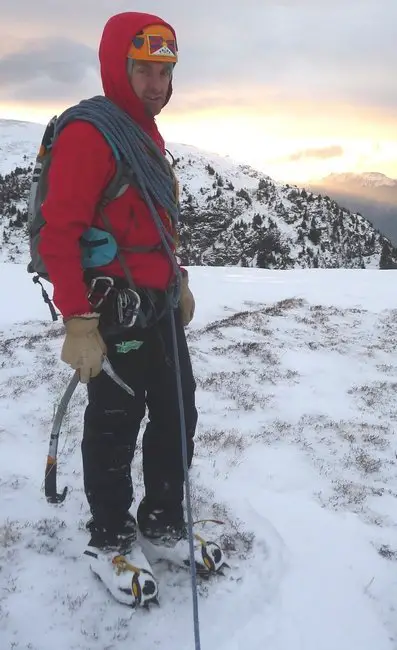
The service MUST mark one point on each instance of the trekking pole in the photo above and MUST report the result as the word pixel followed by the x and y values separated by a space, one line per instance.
pixel 193 573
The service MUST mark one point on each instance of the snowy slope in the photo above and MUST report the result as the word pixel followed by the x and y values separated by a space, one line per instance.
pixel 19 143
pixel 296 452
pixel 234 214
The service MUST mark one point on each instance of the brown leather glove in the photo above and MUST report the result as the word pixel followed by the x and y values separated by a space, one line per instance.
pixel 187 303
pixel 83 348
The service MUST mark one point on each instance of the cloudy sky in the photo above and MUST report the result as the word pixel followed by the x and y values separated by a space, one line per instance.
pixel 298 88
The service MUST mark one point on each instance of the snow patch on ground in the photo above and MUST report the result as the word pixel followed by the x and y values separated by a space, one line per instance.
pixel 296 453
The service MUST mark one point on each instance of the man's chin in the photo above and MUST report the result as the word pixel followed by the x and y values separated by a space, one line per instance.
pixel 154 108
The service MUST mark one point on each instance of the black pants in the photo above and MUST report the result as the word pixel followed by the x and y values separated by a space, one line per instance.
pixel 144 359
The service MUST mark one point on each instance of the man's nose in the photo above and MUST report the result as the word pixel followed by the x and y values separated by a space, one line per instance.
pixel 155 84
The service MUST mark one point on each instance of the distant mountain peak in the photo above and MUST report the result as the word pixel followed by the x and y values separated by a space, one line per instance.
pixel 365 179
pixel 372 193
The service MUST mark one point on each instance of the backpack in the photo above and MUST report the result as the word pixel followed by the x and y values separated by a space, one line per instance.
pixel 98 247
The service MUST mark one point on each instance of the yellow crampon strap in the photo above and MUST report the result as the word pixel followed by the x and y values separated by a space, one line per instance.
pixel 207 558
pixel 122 564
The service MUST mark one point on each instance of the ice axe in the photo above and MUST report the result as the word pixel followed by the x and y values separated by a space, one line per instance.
pixel 50 477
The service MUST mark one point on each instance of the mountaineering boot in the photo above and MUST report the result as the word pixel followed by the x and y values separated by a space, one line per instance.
pixel 117 559
pixel 164 536
pixel 124 530
pixel 164 526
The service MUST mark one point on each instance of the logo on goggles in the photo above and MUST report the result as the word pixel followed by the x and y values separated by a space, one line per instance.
pixel 158 46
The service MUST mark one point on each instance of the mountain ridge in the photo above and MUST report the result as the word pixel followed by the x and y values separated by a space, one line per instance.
pixel 231 214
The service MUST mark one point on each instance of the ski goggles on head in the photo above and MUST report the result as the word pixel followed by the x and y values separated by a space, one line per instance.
pixel 155 43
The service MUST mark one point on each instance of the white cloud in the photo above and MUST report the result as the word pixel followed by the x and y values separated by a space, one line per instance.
pixel 299 48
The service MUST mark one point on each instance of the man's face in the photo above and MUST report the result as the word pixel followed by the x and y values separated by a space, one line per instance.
pixel 150 81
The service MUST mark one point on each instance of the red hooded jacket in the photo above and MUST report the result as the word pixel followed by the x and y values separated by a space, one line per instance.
pixel 82 166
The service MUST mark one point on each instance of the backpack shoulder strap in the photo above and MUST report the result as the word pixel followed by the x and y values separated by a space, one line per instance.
pixel 121 180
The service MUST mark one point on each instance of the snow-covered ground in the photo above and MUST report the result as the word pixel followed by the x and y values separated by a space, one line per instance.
pixel 19 143
pixel 296 453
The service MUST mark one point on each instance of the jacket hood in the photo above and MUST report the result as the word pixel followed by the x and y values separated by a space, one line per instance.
pixel 113 49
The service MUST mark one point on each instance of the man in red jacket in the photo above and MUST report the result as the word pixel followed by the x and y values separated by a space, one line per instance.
pixel 138 53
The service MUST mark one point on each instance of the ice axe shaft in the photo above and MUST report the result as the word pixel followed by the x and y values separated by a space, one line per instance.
pixel 50 477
